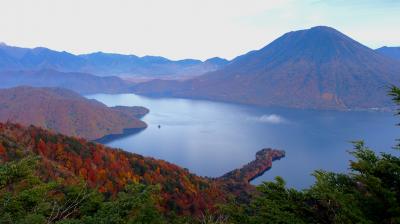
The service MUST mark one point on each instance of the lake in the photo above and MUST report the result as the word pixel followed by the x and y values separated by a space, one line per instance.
pixel 212 138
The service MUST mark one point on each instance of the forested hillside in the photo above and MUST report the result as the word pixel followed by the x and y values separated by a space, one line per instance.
pixel 69 160
pixel 67 112
pixel 51 178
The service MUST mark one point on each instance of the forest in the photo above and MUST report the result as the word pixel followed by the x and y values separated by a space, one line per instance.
pixel 50 178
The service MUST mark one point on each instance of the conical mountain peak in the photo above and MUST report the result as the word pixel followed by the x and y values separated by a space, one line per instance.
pixel 318 67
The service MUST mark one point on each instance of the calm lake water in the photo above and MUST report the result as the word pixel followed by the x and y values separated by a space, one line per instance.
pixel 212 138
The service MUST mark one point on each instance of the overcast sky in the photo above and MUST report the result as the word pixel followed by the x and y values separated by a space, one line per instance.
pixel 180 29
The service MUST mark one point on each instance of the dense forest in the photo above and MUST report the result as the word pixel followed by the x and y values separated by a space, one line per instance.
pixel 51 178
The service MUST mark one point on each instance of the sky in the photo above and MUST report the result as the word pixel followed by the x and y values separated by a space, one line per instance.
pixel 179 29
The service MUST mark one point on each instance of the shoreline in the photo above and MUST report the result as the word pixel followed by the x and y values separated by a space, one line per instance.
pixel 125 132
pixel 255 168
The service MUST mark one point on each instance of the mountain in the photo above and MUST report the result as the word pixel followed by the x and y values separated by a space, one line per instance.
pixel 37 58
pixel 79 82
pixel 69 160
pixel 217 61
pixel 392 52
pixel 66 112
pixel 102 64
pixel 317 68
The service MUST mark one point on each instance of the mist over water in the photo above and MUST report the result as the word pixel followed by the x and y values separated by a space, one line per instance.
pixel 212 138
pixel 268 118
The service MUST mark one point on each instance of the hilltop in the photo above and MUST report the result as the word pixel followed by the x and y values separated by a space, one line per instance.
pixel 66 112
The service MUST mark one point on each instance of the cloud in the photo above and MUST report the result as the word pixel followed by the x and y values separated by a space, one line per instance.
pixel 269 118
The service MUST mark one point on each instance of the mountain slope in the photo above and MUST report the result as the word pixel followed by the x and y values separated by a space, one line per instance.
pixel 69 160
pixel 79 82
pixel 315 68
pixel 392 52
pixel 66 112
pixel 103 64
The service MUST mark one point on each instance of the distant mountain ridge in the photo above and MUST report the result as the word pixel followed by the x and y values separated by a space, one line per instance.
pixel 82 83
pixel 318 68
pixel 66 112
pixel 103 64
pixel 392 52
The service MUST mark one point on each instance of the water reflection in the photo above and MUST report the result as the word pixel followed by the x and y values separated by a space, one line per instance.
pixel 113 137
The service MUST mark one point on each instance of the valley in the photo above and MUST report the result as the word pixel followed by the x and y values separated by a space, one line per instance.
pixel 212 138
pixel 292 85
pixel 300 130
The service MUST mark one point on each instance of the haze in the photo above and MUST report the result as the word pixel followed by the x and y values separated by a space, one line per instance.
pixel 186 28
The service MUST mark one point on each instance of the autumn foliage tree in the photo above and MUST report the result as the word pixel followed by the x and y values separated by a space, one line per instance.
pixel 70 160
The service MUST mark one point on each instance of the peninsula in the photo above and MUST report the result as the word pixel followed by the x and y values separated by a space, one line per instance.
pixel 255 168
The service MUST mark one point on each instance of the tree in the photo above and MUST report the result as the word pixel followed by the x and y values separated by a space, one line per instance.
pixel 23 196
pixel 369 193
pixel 136 204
